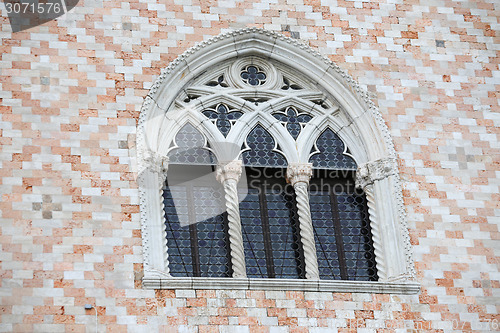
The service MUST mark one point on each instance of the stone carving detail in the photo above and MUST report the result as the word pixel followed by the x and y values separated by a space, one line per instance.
pixel 298 175
pixel 376 236
pixel 299 172
pixel 229 174
pixel 370 172
pixel 156 162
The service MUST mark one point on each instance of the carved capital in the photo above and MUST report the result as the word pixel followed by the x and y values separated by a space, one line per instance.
pixel 229 170
pixel 372 171
pixel 156 162
pixel 299 172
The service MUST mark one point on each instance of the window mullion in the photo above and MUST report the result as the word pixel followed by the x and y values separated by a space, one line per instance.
pixel 266 232
pixel 192 231
pixel 228 174
pixel 338 235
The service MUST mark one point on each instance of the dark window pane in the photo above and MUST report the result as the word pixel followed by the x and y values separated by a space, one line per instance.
pixel 324 235
pixel 260 150
pixel 253 235
pixel 200 248
pixel 341 229
pixel 269 225
pixel 328 153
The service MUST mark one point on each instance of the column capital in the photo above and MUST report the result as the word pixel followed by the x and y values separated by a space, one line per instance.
pixel 372 171
pixel 156 162
pixel 299 173
pixel 229 170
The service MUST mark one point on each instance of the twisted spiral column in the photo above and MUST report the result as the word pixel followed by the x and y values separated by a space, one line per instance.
pixel 229 174
pixel 376 233
pixel 151 180
pixel 299 175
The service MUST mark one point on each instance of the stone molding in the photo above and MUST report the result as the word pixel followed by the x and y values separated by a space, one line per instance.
pixel 229 170
pixel 396 288
pixel 299 172
pixel 370 172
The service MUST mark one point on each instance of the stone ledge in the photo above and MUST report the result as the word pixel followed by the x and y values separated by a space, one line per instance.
pixel 371 287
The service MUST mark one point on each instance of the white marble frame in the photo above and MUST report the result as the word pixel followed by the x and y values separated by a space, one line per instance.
pixel 358 123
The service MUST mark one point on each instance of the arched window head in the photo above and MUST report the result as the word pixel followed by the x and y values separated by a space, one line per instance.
pixel 191 147
pixel 329 152
pixel 261 149
pixel 321 200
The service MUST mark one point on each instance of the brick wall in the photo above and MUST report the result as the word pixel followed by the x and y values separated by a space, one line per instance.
pixel 70 95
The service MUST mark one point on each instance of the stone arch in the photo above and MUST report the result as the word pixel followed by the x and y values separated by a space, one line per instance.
pixel 349 112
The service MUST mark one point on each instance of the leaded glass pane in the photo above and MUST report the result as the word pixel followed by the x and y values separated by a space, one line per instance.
pixel 280 210
pixel 197 249
pixel 211 233
pixel 178 238
pixel 191 148
pixel 328 153
pixel 269 227
pixel 260 149
pixel 324 235
pixel 356 235
pixel 253 235
pixel 341 229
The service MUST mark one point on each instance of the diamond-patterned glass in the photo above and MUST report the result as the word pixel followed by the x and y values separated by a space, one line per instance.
pixel 356 236
pixel 198 249
pixel 342 232
pixel 293 120
pixel 260 149
pixel 222 117
pixel 270 234
pixel 191 148
pixel 324 236
pixel 328 153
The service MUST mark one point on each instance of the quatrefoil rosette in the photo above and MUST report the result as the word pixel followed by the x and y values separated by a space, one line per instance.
pixel 253 72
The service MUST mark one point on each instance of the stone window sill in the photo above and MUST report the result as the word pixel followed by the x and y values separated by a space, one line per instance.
pixel 371 287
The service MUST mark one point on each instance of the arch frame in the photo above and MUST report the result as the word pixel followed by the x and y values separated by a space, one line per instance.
pixel 363 131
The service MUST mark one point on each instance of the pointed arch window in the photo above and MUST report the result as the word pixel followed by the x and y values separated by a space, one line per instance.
pixel 314 155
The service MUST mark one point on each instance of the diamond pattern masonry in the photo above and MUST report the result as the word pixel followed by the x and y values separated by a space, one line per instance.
pixel 70 94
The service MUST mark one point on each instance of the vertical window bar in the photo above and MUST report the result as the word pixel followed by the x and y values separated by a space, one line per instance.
pixel 266 232
pixel 338 235
pixel 228 244
pixel 193 232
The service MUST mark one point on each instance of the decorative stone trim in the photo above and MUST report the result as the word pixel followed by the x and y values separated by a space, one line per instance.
pixel 375 170
pixel 372 287
pixel 299 172
pixel 229 170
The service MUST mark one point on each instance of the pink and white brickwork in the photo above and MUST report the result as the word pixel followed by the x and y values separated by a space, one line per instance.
pixel 71 92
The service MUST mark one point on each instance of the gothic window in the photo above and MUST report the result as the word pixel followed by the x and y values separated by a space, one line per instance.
pixel 260 160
